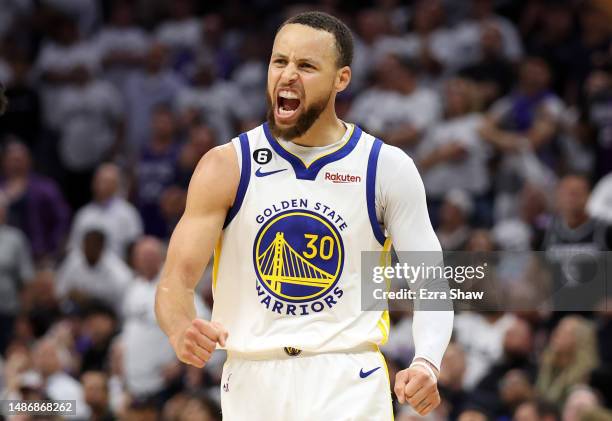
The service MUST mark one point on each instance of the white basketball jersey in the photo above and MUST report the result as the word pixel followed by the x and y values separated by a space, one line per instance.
pixel 287 269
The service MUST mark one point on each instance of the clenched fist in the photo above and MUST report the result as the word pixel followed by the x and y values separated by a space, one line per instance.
pixel 417 387
pixel 195 344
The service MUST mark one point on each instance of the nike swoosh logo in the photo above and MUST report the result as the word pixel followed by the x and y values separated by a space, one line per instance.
pixel 259 173
pixel 365 374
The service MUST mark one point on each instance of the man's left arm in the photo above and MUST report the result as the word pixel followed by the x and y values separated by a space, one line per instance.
pixel 401 194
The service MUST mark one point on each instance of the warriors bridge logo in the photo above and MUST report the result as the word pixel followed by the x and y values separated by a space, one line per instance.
pixel 298 257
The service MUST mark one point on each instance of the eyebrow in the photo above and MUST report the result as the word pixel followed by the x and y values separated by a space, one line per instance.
pixel 307 59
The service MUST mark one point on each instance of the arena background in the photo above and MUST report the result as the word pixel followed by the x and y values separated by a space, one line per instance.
pixel 505 106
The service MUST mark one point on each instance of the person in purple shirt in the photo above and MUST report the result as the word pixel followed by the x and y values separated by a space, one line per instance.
pixel 36 205
pixel 157 170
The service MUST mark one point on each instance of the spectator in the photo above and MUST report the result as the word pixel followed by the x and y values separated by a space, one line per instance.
pixel 370 26
pixel 58 384
pixel 528 118
pixel 62 62
pixel 40 306
pixel 199 409
pixel 484 350
pixel 596 414
pixel 580 401
pixel 251 75
pixel 157 170
pixel 536 410
pixel 93 272
pixel 468 33
pixel 23 117
pixel 597 116
pixel 450 381
pixel 118 396
pixel 396 108
pixel 493 73
pixel 452 154
pixel 453 229
pixel 473 414
pixel 91 129
pixel 428 42
pixel 15 270
pixel 201 139
pixel 568 359
pixel 592 50
pixel 150 365
pixel 144 92
pixel 599 205
pixel 552 31
pixel 212 102
pixel 36 205
pixel 182 33
pixel 95 388
pixel 121 43
pixel 514 389
pixel 517 348
pixel 98 327
pixel 109 212
pixel 86 12
pixel 570 234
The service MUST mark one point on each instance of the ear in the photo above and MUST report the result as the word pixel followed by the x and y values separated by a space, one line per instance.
pixel 343 78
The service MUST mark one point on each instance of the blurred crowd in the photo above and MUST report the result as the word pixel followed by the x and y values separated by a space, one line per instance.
pixel 504 105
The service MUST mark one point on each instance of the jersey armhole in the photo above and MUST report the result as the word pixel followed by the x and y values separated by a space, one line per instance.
pixel 371 191
pixel 245 175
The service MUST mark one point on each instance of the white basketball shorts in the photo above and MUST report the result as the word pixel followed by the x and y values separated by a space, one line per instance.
pixel 351 386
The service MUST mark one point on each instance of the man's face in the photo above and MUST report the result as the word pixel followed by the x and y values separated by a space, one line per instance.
pixel 526 412
pixel 95 389
pixel 302 77
pixel 572 195
pixel 106 182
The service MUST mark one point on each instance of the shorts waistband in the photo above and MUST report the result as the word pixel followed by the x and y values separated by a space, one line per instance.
pixel 287 353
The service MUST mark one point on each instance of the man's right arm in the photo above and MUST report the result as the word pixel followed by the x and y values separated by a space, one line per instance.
pixel 211 193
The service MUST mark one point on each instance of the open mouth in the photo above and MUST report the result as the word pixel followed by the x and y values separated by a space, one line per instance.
pixel 287 104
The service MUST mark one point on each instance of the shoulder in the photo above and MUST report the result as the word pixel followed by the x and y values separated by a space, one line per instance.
pixel 388 155
pixel 393 157
pixel 11 235
pixel 216 177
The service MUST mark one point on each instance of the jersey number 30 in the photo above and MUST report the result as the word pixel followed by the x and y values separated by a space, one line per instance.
pixel 325 249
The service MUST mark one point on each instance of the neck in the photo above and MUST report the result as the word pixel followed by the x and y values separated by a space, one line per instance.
pixel 326 130
pixel 104 200
pixel 574 220
pixel 161 142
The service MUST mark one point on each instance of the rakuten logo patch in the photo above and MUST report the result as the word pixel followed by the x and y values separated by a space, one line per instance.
pixel 342 178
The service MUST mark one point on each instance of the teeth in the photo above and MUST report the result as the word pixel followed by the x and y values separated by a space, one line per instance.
pixel 288 94
pixel 284 112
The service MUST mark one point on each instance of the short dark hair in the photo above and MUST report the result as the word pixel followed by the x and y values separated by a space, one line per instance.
pixel 331 24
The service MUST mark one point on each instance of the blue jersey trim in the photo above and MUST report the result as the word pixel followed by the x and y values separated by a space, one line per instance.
pixel 371 190
pixel 310 172
pixel 245 176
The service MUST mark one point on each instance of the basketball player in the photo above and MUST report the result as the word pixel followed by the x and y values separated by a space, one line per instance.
pixel 288 207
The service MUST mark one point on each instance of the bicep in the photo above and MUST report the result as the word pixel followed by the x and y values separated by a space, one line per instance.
pixel 406 216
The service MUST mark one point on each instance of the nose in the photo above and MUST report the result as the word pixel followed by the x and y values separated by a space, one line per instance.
pixel 289 74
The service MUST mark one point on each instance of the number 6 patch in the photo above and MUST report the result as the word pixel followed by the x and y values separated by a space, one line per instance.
pixel 262 155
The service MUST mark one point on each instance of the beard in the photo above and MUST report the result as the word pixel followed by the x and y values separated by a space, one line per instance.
pixel 303 123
